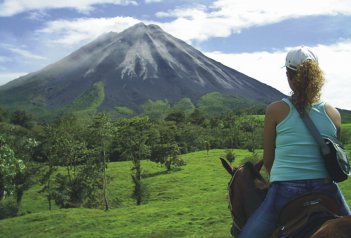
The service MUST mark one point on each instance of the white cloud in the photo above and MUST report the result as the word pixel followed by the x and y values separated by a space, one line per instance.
pixel 80 30
pixel 201 22
pixel 26 54
pixel 13 7
pixel 4 59
pixel 224 17
pixel 334 60
pixel 37 15
pixel 267 68
pixel 152 1
pixel 7 77
pixel 198 23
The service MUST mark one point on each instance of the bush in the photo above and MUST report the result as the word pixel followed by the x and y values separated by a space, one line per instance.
pixel 81 190
pixel 8 208
pixel 346 136
pixel 176 161
pixel 229 155
pixel 253 158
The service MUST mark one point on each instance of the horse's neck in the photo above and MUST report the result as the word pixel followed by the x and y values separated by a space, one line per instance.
pixel 252 195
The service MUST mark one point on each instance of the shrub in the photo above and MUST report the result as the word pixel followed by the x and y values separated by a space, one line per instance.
pixel 8 208
pixel 229 155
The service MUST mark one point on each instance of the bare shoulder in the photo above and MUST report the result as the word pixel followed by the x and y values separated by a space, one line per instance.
pixel 334 114
pixel 277 106
pixel 277 111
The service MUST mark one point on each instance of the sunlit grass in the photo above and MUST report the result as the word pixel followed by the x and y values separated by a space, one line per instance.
pixel 190 201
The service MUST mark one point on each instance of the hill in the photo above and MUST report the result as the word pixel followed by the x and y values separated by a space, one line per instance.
pixel 189 202
pixel 126 69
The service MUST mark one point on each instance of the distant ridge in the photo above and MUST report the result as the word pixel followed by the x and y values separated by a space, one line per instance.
pixel 142 62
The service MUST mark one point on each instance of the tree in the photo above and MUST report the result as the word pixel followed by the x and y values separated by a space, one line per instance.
pixel 164 148
pixel 185 105
pixel 3 114
pixel 252 128
pixel 133 136
pixel 22 118
pixel 51 150
pixel 176 115
pixel 156 110
pixel 84 154
pixel 22 141
pixel 198 117
pixel 58 147
pixel 166 154
pixel 10 166
pixel 101 131
pixel 24 179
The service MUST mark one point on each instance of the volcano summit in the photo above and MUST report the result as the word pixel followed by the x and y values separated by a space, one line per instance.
pixel 143 62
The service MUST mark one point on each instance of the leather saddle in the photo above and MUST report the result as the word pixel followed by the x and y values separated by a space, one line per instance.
pixel 302 216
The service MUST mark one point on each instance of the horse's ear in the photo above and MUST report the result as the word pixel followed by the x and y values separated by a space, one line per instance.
pixel 258 165
pixel 227 166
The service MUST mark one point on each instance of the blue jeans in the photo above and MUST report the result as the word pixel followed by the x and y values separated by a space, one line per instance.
pixel 265 219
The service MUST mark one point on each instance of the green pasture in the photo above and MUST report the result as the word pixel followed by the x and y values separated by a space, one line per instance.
pixel 190 201
pixel 346 135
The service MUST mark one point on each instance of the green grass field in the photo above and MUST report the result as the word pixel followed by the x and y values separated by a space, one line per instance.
pixel 188 202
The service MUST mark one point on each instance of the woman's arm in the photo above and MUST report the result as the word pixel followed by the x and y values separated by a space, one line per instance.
pixel 269 135
pixel 275 113
pixel 334 115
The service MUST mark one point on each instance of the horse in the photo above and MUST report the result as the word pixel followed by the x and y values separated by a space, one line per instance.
pixel 335 228
pixel 247 190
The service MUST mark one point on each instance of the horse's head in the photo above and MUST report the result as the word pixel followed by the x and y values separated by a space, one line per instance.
pixel 246 190
pixel 231 170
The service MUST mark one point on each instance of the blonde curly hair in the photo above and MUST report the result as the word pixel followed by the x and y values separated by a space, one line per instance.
pixel 307 82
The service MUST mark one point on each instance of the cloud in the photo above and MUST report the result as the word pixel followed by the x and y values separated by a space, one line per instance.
pixel 198 22
pixel 37 15
pixel 152 1
pixel 224 17
pixel 267 68
pixel 4 59
pixel 26 54
pixel 263 66
pixel 7 77
pixel 71 32
pixel 13 7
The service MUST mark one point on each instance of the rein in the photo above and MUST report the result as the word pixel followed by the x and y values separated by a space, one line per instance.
pixel 254 171
pixel 230 195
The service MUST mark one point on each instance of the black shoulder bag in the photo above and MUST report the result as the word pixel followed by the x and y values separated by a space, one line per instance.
pixel 335 157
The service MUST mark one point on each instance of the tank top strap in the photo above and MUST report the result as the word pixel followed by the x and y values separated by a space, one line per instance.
pixel 288 101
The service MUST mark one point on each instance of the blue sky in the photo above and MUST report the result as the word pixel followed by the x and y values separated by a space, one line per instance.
pixel 251 36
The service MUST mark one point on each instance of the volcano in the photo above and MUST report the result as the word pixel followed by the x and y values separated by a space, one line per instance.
pixel 142 62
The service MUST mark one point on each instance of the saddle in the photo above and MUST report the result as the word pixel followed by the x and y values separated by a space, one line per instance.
pixel 302 216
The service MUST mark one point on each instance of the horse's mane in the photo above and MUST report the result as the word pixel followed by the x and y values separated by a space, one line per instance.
pixel 253 171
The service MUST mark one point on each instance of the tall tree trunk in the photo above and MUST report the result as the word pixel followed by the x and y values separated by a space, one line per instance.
pixel 138 182
pixel 49 190
pixel 105 184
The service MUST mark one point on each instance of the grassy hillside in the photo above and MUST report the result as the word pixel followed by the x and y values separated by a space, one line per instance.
pixel 345 116
pixel 87 103
pixel 188 202
pixel 216 104
pixel 346 135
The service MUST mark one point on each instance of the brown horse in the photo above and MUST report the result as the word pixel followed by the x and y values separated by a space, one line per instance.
pixel 247 189
pixel 335 228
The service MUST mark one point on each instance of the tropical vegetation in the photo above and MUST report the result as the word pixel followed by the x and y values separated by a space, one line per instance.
pixel 156 174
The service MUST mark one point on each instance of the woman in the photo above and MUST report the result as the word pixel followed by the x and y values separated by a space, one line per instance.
pixel 291 155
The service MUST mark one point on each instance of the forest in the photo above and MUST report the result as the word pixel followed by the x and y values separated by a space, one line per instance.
pixel 69 156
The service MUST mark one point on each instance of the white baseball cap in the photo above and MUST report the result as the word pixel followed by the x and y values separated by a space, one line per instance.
pixel 297 56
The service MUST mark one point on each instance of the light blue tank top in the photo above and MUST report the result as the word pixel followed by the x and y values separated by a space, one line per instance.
pixel 297 155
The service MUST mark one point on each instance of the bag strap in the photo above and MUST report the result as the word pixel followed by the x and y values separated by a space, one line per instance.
pixel 325 150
